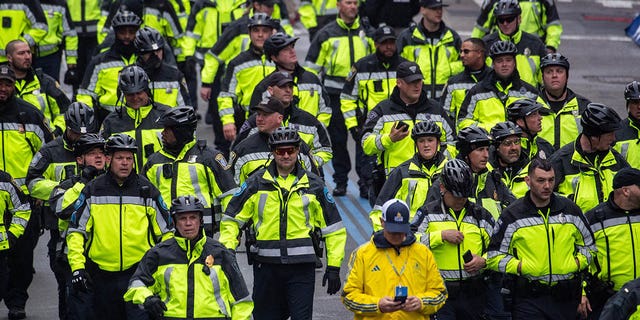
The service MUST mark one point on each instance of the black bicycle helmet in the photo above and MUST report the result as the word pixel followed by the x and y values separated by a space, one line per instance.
pixel 133 79
pixel 501 48
pixel 88 142
pixel 277 42
pixel 502 130
pixel 120 142
pixel 182 204
pixel 554 59
pixel 284 136
pixel 471 138
pixel 632 91
pixel 598 119
pixel 124 18
pixel 507 8
pixel 261 19
pixel 456 178
pixel 426 128
pixel 80 118
pixel 148 40
pixel 178 116
pixel 524 107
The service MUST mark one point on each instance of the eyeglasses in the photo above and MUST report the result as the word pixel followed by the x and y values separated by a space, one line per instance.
pixel 506 19
pixel 510 142
pixel 466 51
pixel 285 150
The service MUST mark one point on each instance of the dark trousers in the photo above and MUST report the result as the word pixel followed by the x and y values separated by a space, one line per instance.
pixel 109 288
pixel 49 64
pixel 4 273
pixel 545 307
pixel 364 165
pixel 283 290
pixel 61 270
pixel 79 303
pixel 495 308
pixel 188 69
pixel 85 54
pixel 464 302
pixel 338 134
pixel 20 263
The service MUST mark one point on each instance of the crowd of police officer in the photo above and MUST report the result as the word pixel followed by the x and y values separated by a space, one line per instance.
pixel 474 135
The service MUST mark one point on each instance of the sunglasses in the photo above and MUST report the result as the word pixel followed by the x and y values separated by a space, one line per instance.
pixel 466 51
pixel 511 142
pixel 506 20
pixel 285 150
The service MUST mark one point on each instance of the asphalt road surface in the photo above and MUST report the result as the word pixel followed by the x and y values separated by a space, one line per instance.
pixel 602 61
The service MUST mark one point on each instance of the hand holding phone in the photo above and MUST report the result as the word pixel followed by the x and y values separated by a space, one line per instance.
pixel 401 294
pixel 467 256
pixel 402 126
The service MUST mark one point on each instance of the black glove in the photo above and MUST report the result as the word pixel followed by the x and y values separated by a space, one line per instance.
pixel 355 133
pixel 88 173
pixel 333 276
pixel 80 280
pixel 154 306
pixel 71 77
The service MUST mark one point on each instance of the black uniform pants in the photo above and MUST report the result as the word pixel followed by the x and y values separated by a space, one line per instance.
pixel 4 273
pixel 283 290
pixel 466 301
pixel 85 54
pixel 20 262
pixel 544 307
pixel 338 134
pixel 61 270
pixel 188 69
pixel 109 289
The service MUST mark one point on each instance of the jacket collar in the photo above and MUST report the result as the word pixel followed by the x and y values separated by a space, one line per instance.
pixel 381 242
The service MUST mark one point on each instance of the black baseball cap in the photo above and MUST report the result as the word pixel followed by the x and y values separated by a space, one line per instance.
pixel 7 73
pixel 279 79
pixel 269 105
pixel 409 72
pixel 432 4
pixel 626 177
pixel 383 33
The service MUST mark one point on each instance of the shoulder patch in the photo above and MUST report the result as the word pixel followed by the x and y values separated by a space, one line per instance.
pixel 222 161
pixel 241 190
pixel 372 115
pixel 162 204
pixel 328 196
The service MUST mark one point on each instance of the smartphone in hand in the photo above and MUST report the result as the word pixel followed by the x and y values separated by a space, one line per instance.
pixel 401 294
pixel 403 126
pixel 467 256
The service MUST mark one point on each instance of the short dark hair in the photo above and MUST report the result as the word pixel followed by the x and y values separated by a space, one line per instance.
pixel 539 163
pixel 11 46
pixel 478 43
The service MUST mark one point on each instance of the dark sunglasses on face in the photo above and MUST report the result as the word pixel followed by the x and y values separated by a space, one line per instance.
pixel 506 19
pixel 285 150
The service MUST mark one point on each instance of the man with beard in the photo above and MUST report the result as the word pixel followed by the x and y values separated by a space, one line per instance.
pixel 310 93
pixel 528 114
pixel 507 157
pixel 168 85
pixel 137 118
pixel 473 55
pixel 185 165
pixel 486 103
pixel 584 169
pixel 55 162
pixel 370 81
pixel 99 88
pixel 628 135
pixel 565 104
pixel 36 87
pixel 24 131
pixel 22 19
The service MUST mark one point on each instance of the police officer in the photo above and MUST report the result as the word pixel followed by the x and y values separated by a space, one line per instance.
pixel 15 213
pixel 530 47
pixel 193 260
pixel 565 104
pixel 36 87
pixel 242 74
pixel 458 232
pixel 473 54
pixel 614 223
pixel 89 161
pixel 542 243
pixel 433 45
pixel 532 117
pixel 315 14
pixel 55 162
pixel 22 19
pixel 102 73
pixel 411 180
pixel 168 83
pixel 24 131
pixel 122 215
pixel 585 169
pixel 311 95
pixel 337 46
pixel 185 165
pixel 284 196
pixel 137 118
pixel 537 17
pixel 486 103
pixel 84 16
pixel 629 133
pixel 388 125
pixel 370 81
pixel 507 157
